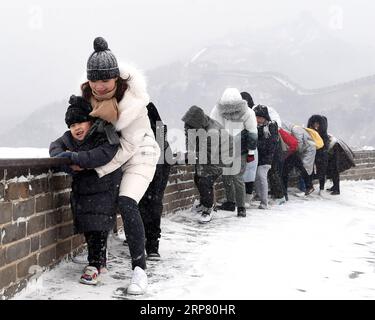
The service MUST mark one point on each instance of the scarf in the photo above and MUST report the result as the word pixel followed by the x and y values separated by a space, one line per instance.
pixel 105 106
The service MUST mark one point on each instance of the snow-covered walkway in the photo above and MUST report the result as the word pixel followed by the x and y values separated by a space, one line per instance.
pixel 315 248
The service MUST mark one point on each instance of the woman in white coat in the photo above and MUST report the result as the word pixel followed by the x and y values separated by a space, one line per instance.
pixel 233 113
pixel 118 95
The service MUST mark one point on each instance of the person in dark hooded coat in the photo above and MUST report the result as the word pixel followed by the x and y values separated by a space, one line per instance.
pixel 93 199
pixel 206 150
pixel 320 124
pixel 340 159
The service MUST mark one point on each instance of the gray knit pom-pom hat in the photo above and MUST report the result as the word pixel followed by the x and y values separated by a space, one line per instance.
pixel 102 63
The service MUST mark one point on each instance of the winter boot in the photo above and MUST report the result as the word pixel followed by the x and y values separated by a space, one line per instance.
pixel 241 212
pixel 152 250
pixel 227 206
pixel 138 283
pixel 335 192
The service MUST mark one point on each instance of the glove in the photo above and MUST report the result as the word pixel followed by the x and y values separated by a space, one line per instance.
pixel 250 158
pixel 66 154
pixel 72 156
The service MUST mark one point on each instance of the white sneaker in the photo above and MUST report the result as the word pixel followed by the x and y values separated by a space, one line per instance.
pixel 138 283
pixel 206 215
pixel 279 201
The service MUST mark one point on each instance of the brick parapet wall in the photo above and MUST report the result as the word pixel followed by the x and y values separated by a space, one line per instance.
pixel 36 227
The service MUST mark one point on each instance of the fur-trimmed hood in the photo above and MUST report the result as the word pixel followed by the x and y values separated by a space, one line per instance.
pixel 136 98
pixel 231 106
pixel 234 110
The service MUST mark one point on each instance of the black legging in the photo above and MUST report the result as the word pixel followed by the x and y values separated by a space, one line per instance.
pixel 321 163
pixel 134 230
pixel 97 248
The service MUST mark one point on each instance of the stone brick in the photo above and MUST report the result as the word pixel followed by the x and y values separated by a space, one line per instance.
pixel 23 209
pixel 5 212
pixel 48 237
pixel 7 275
pixel 36 224
pixel 19 190
pixel 24 265
pixel 65 231
pixel 44 203
pixel 13 232
pixel 63 248
pixel 46 257
pixel 53 218
pixel 77 241
pixel 35 243
pixel 61 199
pixel 39 186
pixel 59 182
pixel 2 257
pixel 2 190
pixel 18 251
pixel 66 214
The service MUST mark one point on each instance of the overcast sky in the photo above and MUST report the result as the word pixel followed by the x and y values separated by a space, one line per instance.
pixel 45 44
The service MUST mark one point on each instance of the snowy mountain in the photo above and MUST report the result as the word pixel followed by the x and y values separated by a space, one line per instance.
pixel 299 68
pixel 311 54
pixel 348 106
pixel 38 129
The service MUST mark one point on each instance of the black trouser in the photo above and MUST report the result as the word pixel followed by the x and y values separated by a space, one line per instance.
pixel 205 186
pixel 249 186
pixel 274 176
pixel 151 206
pixel 294 161
pixel 97 248
pixel 335 174
pixel 321 163
pixel 134 230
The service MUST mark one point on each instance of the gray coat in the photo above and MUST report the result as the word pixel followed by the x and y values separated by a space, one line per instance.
pixel 209 163
pixel 306 145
